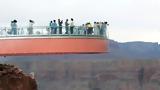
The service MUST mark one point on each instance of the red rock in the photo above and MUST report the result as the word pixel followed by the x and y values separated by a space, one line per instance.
pixel 12 78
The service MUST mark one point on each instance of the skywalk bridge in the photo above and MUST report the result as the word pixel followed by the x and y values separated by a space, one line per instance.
pixel 43 41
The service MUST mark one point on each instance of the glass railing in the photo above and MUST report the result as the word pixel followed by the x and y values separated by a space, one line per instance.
pixel 51 31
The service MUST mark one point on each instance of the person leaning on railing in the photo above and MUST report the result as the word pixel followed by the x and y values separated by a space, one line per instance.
pixel 81 29
pixel 89 28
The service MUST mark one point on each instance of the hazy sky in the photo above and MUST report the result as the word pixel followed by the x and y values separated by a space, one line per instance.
pixel 130 20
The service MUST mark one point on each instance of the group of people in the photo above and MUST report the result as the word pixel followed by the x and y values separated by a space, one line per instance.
pixel 57 27
pixel 14 27
pixel 99 28
pixel 68 26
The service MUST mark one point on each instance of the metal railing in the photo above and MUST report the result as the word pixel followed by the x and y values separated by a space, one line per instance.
pixel 50 31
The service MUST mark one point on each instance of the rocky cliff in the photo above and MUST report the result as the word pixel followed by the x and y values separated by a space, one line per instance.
pixel 13 78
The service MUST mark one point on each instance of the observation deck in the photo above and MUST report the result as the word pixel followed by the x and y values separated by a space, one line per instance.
pixel 43 41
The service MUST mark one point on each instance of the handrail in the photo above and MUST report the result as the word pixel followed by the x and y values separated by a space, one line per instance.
pixel 55 31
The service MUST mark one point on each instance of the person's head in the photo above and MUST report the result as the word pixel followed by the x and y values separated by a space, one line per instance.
pixel 54 20
pixel 50 21
pixel 66 20
pixel 14 21
pixel 94 22
pixel 106 22
pixel 71 19
pixel 31 21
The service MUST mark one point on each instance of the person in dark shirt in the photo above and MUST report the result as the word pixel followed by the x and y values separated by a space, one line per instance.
pixel 60 22
pixel 89 28
pixel 66 26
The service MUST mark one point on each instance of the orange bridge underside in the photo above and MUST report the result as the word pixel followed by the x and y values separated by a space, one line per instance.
pixel 33 46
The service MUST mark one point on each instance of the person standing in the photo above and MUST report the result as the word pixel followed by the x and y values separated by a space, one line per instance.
pixel 66 26
pixel 60 22
pixel 71 26
pixel 104 28
pixel 81 29
pixel 51 27
pixel 96 30
pixel 30 28
pixel 14 27
pixel 85 29
pixel 54 27
pixel 101 28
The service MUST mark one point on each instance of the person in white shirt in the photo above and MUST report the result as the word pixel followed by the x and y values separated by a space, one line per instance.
pixel 96 28
pixel 71 26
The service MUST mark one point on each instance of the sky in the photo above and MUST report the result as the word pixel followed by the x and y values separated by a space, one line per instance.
pixel 129 20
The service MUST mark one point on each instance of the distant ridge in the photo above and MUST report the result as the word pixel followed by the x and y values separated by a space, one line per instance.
pixel 135 50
